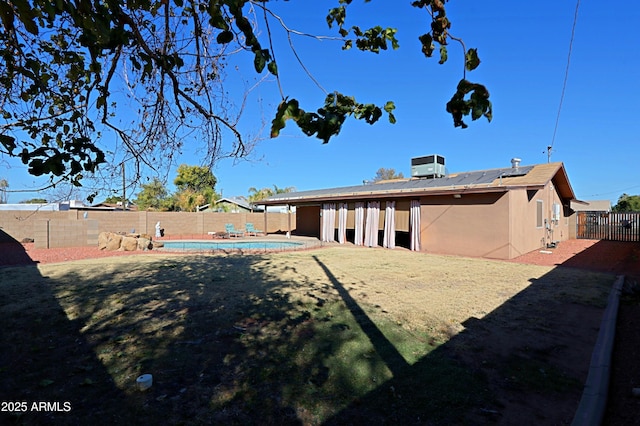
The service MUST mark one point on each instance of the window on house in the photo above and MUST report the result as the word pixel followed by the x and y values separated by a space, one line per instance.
pixel 539 214
pixel 556 213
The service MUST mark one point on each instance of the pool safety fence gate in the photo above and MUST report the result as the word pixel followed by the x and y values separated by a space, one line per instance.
pixel 608 226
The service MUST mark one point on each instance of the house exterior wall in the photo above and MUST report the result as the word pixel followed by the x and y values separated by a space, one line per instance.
pixel 526 235
pixel 493 225
pixel 474 225
pixel 308 221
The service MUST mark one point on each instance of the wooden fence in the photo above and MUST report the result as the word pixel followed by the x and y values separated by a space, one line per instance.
pixel 609 226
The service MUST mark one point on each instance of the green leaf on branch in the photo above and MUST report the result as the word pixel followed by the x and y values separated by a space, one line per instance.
pixel 471 59
pixel 337 15
pixel 388 108
pixel 273 68
pixel 375 39
pixel 224 37
pixel 260 60
pixel 443 54
pixel 427 44
pixel 286 110
pixel 8 142
pixel 477 104
pixel 328 120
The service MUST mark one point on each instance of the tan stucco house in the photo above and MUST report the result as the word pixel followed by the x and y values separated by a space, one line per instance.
pixel 497 213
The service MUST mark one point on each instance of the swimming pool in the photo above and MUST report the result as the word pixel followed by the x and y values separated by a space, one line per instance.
pixel 232 245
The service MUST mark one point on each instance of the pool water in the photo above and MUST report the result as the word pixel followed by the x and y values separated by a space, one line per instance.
pixel 232 245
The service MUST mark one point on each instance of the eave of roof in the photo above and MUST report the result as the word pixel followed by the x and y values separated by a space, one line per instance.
pixel 483 181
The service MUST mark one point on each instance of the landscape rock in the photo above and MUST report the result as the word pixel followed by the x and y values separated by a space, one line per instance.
pixel 114 242
pixel 120 241
pixel 129 244
pixel 103 240
pixel 144 244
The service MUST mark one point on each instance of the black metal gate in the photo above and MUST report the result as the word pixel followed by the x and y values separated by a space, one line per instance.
pixel 609 226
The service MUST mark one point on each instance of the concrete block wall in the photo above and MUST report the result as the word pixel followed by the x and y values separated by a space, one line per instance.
pixel 22 224
pixel 56 233
pixel 41 233
pixel 71 228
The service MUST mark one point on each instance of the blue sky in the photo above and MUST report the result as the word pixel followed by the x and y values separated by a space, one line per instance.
pixel 523 48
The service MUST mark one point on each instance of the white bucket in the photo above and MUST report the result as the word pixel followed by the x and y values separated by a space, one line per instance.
pixel 144 382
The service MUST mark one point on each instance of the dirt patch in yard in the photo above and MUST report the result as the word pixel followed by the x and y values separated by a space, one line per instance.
pixel 262 339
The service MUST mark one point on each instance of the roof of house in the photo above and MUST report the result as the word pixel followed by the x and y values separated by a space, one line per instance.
pixel 241 202
pixel 591 205
pixel 108 207
pixel 481 181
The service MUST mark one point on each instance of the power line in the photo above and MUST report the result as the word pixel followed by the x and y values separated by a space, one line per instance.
pixel 615 192
pixel 564 84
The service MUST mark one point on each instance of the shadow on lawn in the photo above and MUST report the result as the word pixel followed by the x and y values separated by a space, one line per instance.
pixel 618 257
pixel 516 365
pixel 228 343
pixel 12 252
pixel 45 358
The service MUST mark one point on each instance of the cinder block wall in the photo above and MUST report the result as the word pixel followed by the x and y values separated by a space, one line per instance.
pixel 21 224
pixel 56 233
pixel 72 228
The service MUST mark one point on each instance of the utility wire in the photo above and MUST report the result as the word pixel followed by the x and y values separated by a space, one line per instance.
pixel 564 84
pixel 615 192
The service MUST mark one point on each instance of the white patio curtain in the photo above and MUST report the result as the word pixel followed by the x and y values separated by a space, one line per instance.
pixel 328 222
pixel 389 240
pixel 359 225
pixel 371 224
pixel 414 225
pixel 342 223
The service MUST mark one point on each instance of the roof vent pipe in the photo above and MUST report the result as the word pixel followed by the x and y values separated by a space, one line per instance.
pixel 515 163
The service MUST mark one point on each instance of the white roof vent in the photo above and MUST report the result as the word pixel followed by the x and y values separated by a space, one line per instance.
pixel 515 163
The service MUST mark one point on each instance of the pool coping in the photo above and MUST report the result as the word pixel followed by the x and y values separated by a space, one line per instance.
pixel 297 244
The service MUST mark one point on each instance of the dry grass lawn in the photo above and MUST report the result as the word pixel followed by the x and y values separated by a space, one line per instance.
pixel 312 337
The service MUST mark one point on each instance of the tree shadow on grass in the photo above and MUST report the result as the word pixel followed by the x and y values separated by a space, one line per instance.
pixel 211 331
pixel 523 363
pixel 45 357
pixel 12 252
pixel 616 257
pixel 256 340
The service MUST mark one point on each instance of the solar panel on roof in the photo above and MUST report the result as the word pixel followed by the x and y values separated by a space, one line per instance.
pixel 480 177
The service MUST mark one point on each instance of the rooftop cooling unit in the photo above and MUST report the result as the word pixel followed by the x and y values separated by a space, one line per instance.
pixel 430 166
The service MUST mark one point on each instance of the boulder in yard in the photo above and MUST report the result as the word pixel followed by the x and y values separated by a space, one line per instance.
pixel 103 240
pixel 114 242
pixel 129 244
pixel 144 244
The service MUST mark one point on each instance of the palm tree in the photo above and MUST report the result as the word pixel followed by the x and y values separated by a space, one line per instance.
pixel 256 195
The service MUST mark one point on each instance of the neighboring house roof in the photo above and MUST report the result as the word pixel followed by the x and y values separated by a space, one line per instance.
pixel 35 207
pixel 592 205
pixel 492 180
pixel 240 202
pixel 108 206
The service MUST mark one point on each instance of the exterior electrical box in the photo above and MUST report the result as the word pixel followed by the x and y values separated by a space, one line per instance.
pixel 429 166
